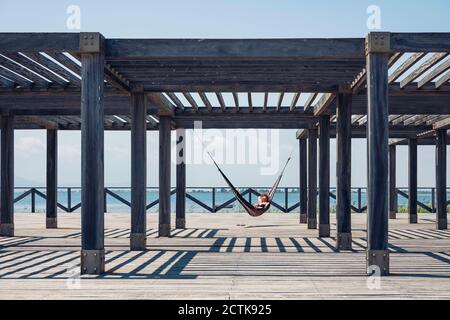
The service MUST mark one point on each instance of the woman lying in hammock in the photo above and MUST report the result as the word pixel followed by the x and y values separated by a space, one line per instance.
pixel 263 201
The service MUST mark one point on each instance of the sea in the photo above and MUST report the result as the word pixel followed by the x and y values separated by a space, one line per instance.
pixel 205 195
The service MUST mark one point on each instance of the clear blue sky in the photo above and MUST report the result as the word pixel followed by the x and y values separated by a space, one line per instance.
pixel 211 19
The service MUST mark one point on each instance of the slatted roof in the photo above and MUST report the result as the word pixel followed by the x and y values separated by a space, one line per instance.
pixel 226 83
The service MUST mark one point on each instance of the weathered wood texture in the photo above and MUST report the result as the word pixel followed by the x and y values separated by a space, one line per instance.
pixel 412 180
pixel 92 166
pixel 312 179
pixel 52 179
pixel 392 182
pixel 138 170
pixel 324 176
pixel 181 179
pixel 274 259
pixel 303 172
pixel 441 179
pixel 164 176
pixel 343 171
pixel 7 176
pixel 377 146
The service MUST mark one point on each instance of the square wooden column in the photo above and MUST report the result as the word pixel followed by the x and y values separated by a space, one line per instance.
pixel 138 236
pixel 312 179
pixel 343 172
pixel 303 169
pixel 392 182
pixel 441 179
pixel 52 180
pixel 92 146
pixel 377 55
pixel 324 176
pixel 180 220
pixel 7 176
pixel 412 180
pixel 164 175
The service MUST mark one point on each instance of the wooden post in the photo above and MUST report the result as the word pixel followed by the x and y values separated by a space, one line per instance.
pixel 312 179
pixel 343 172
pixel 7 176
pixel 377 54
pixel 324 176
pixel 52 179
pixel 180 220
pixel 441 179
pixel 164 176
pixel 92 142
pixel 392 183
pixel 138 236
pixel 412 180
pixel 303 169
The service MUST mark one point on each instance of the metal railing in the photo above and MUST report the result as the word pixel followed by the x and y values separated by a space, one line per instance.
pixel 281 200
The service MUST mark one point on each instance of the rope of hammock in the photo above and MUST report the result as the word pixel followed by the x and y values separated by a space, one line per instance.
pixel 250 208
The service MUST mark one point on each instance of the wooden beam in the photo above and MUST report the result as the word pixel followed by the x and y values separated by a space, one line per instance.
pixel 92 165
pixel 324 176
pixel 164 176
pixel 180 220
pixel 160 102
pixel 416 57
pixel 312 179
pixel 52 180
pixel 343 172
pixel 424 67
pixel 250 102
pixel 308 104
pixel 302 134
pixel 54 67
pixel 294 101
pixel 236 100
pixel 266 99
pixel 116 79
pixel 441 179
pixel 33 65
pixel 280 100
pixel 221 101
pixel 191 100
pixel 361 80
pixel 423 41
pixel 443 80
pixel 7 176
pixel 436 72
pixel 40 121
pixel 175 100
pixel 323 104
pixel 38 42
pixel 392 182
pixel 18 79
pixel 442 124
pixel 303 166
pixel 226 49
pixel 138 236
pixel 377 147
pixel 205 100
pixel 6 83
pixel 412 180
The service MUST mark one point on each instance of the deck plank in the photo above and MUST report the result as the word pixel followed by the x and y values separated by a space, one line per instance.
pixel 222 256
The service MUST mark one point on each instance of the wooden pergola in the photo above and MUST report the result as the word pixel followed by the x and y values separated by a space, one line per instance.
pixel 82 81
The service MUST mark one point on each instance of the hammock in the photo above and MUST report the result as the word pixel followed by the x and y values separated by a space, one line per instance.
pixel 253 210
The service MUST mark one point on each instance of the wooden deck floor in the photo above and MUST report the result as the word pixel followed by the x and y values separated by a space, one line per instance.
pixel 222 256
